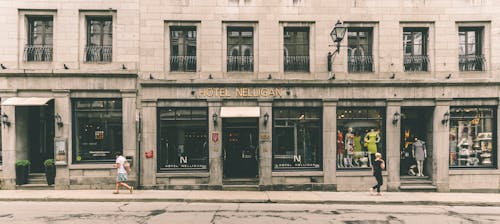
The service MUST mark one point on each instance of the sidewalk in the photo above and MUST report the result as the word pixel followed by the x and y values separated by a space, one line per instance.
pixel 306 197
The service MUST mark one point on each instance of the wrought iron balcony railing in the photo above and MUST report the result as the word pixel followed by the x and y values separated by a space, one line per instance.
pixel 98 53
pixel 471 62
pixel 239 63
pixel 360 63
pixel 183 63
pixel 296 63
pixel 416 63
pixel 38 53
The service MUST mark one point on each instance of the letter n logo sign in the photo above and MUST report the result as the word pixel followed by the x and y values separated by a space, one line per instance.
pixel 183 160
pixel 297 158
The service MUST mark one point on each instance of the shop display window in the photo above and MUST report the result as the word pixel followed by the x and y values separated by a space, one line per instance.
pixel 360 134
pixel 472 137
pixel 97 133
pixel 182 139
pixel 297 138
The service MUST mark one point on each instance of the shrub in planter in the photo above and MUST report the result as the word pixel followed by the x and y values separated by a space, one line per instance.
pixel 22 171
pixel 50 171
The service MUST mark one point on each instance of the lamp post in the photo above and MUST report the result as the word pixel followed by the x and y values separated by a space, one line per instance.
pixel 337 36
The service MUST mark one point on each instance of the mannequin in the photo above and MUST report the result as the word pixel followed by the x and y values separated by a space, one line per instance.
pixel 349 146
pixel 340 148
pixel 357 148
pixel 371 140
pixel 420 154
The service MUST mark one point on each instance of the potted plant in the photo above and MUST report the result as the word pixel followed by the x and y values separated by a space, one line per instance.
pixel 22 171
pixel 50 171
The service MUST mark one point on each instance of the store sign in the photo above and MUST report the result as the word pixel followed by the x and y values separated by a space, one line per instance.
pixel 241 92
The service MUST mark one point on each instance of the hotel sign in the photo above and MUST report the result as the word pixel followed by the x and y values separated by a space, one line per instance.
pixel 240 92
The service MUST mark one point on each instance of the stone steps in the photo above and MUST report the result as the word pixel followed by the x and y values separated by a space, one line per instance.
pixel 416 184
pixel 34 187
pixel 240 184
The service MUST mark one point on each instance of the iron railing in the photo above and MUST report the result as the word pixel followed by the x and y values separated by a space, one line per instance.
pixel 471 62
pixel 38 53
pixel 98 53
pixel 239 63
pixel 183 63
pixel 296 63
pixel 416 63
pixel 360 63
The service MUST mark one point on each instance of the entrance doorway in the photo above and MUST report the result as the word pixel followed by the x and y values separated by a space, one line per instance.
pixel 241 147
pixel 415 122
pixel 40 135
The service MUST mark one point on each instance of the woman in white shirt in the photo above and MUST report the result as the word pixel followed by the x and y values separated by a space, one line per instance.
pixel 121 176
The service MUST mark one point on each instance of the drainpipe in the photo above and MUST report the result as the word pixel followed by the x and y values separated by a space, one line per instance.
pixel 139 136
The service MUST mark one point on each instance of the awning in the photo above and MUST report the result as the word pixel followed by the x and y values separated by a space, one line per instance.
pixel 26 101
pixel 228 112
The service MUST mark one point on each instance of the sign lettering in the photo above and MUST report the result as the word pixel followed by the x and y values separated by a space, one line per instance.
pixel 183 160
pixel 297 158
pixel 240 92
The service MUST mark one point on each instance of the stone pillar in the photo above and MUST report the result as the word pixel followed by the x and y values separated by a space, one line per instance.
pixel 440 146
pixel 9 148
pixel 129 114
pixel 330 144
pixel 62 106
pixel 265 144
pixel 215 152
pixel 148 143
pixel 392 143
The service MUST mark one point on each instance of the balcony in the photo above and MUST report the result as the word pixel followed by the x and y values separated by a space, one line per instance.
pixel 416 63
pixel 471 62
pixel 360 63
pixel 239 63
pixel 296 63
pixel 98 53
pixel 38 53
pixel 183 63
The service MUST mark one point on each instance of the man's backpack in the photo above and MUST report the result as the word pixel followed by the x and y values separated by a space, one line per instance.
pixel 126 165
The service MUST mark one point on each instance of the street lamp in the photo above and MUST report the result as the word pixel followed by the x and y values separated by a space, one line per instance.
pixel 337 36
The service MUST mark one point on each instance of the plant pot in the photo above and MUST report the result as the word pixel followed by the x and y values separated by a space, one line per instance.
pixel 22 173
pixel 50 174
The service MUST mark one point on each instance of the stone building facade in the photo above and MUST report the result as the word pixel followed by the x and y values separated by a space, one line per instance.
pixel 203 94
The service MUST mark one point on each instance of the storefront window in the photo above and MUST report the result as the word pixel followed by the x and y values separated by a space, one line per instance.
pixel 472 137
pixel 360 134
pixel 183 139
pixel 97 130
pixel 297 138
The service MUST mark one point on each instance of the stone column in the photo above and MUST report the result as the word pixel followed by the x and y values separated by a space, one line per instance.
pixel 129 114
pixel 330 144
pixel 265 144
pixel 9 148
pixel 392 143
pixel 62 106
pixel 215 152
pixel 148 143
pixel 440 146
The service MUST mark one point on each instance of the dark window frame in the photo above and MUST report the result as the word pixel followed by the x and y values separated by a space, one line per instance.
pixel 360 63
pixel 181 119
pixel 242 62
pixel 188 61
pixel 75 110
pixel 99 54
pixel 39 52
pixel 297 62
pixel 474 61
pixel 416 62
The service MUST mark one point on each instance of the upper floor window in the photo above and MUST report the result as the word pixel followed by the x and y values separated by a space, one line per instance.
pixel 470 50
pixel 296 49
pixel 360 57
pixel 40 39
pixel 183 48
pixel 99 46
pixel 415 49
pixel 240 49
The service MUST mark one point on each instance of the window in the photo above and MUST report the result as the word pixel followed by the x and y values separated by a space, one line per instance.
pixel 239 49
pixel 470 57
pixel 360 134
pixel 360 49
pixel 415 49
pixel 296 49
pixel 473 137
pixel 1 125
pixel 97 130
pixel 99 39
pixel 40 39
pixel 183 139
pixel 297 138
pixel 183 48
